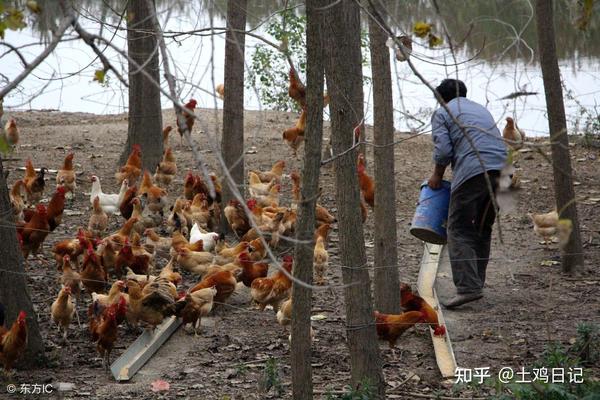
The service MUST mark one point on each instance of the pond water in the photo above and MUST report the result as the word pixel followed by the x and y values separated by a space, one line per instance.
pixel 495 52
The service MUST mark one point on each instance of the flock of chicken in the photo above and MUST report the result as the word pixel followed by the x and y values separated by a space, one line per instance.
pixel 190 225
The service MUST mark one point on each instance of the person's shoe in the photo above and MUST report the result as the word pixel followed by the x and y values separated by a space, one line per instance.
pixel 461 299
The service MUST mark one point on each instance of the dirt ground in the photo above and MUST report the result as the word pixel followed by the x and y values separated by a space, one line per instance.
pixel 509 327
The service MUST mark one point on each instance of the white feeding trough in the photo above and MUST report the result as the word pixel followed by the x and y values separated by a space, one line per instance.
pixel 444 354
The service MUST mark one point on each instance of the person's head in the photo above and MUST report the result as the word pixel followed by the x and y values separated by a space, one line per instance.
pixel 451 88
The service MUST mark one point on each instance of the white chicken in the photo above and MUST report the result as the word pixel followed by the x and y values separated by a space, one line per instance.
pixel 209 239
pixel 108 202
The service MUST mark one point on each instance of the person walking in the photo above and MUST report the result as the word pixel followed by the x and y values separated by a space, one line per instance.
pixel 473 146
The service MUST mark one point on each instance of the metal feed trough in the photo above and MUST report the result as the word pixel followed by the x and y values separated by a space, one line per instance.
pixel 144 347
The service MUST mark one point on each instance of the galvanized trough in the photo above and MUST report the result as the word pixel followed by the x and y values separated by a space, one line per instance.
pixel 144 347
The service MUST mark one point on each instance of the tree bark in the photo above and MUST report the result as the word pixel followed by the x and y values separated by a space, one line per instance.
pixel 14 293
pixel 572 253
pixel 387 292
pixel 344 83
pixel 145 112
pixel 302 387
pixel 232 141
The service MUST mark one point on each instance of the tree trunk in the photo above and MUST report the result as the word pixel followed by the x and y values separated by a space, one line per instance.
pixel 145 112
pixel 344 83
pixel 302 387
pixel 572 253
pixel 232 141
pixel 387 292
pixel 14 293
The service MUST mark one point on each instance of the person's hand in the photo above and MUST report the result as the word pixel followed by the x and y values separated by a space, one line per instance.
pixel 435 182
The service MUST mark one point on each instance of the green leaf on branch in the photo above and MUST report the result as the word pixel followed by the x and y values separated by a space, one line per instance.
pixel 421 29
pixel 4 146
pixel 587 9
pixel 34 7
pixel 434 40
pixel 14 19
pixel 99 75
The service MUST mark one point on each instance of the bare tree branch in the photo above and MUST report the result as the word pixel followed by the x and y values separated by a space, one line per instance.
pixel 56 37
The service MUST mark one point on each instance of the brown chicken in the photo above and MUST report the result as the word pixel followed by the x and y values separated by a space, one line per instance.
pixel 220 89
pixel 16 199
pixel 513 136
pixel 169 273
pixel 66 176
pixel 367 185
pixel 108 255
pixel 118 238
pixel 322 231
pixel 274 174
pixel 295 136
pixel 284 315
pixel 34 232
pixel 177 222
pixel 413 302
pixel 34 182
pixel 126 206
pixel 150 305
pixel 132 168
pixel 156 197
pixel 125 258
pixel 178 241
pixel 391 326
pixel 257 249
pixel 13 342
pixel 96 312
pixel 166 170
pixel 188 186
pixel 194 306
pixel 71 247
pixel 271 199
pixel 296 89
pixel 237 218
pixel 106 333
pixel 274 289
pixel 323 216
pixel 11 133
pixel 166 131
pixel 229 254
pixel 188 117
pixel 70 278
pixel 199 211
pixel 251 270
pixel 217 186
pixel 295 177
pixel 320 260
pixel 196 262
pixel 63 310
pixel 545 225
pixel 113 297
pixel 98 219
pixel 93 276
pixel 161 244
pixel 224 281
pixel 56 207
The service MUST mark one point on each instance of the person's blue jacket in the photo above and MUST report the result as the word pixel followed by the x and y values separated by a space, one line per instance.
pixel 452 147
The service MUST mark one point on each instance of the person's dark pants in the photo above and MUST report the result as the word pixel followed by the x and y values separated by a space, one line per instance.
pixel 470 220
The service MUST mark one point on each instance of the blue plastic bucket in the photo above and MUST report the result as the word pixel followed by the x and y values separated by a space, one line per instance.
pixel 431 215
